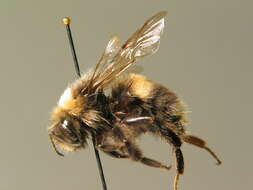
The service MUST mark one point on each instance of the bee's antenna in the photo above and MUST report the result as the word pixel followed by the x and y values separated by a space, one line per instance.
pixel 66 21
pixel 55 148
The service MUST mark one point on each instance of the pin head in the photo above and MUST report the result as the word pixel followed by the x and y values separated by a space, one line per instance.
pixel 66 20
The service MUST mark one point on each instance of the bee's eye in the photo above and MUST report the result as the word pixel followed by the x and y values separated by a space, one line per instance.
pixel 69 131
pixel 65 124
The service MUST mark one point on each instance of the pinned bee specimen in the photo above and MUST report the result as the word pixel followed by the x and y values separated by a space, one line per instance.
pixel 114 107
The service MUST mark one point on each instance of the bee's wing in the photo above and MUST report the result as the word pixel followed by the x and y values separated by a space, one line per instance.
pixel 116 59
pixel 111 50
pixel 145 41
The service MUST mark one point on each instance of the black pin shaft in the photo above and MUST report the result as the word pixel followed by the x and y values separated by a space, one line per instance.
pixel 100 168
pixel 73 51
pixel 66 22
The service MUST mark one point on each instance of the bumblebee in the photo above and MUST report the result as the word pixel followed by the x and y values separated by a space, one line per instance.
pixel 114 107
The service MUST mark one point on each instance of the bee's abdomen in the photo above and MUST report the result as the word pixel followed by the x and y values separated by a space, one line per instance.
pixel 164 104
pixel 140 86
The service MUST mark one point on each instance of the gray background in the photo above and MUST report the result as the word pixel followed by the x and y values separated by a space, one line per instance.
pixel 205 56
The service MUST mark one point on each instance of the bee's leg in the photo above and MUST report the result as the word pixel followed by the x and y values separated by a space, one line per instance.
pixel 202 144
pixel 154 163
pixel 116 154
pixel 109 147
pixel 175 141
pixel 180 166
pixel 136 155
pixel 113 150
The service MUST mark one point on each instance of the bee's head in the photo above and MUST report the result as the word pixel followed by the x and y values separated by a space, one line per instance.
pixel 67 132
pixel 73 120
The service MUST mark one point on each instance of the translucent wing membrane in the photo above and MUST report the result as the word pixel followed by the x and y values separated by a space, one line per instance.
pixel 145 41
pixel 116 59
pixel 112 48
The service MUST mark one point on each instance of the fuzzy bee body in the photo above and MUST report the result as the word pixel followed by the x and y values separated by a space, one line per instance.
pixel 135 97
pixel 114 108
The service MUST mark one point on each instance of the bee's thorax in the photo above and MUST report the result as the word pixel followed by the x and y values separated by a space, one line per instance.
pixel 65 97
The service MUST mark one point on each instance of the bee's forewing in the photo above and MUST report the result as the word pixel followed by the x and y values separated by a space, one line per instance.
pixel 116 59
pixel 145 41
pixel 113 46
